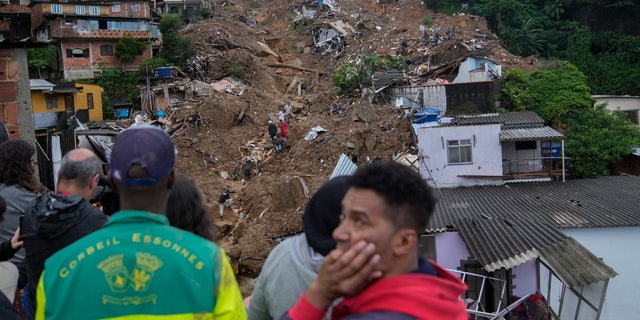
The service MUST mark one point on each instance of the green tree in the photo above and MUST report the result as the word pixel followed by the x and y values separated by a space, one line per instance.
pixel 347 78
pixel 128 48
pixel 596 138
pixel 154 63
pixel 176 49
pixel 553 93
pixel 118 85
pixel 40 58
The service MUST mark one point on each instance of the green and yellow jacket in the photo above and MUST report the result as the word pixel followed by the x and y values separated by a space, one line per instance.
pixel 139 267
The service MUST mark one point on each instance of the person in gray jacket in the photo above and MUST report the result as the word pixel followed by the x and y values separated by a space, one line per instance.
pixel 294 263
pixel 59 218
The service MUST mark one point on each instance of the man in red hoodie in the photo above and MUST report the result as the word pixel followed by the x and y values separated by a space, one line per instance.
pixel 376 266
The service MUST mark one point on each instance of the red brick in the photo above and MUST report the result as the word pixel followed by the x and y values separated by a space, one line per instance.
pixel 3 70
pixel 11 112
pixel 8 91
pixel 14 131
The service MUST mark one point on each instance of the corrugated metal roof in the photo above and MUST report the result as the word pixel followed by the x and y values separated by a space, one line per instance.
pixel 40 84
pixel 522 134
pixel 520 118
pixel 612 201
pixel 470 120
pixel 574 264
pixel 498 243
pixel 344 167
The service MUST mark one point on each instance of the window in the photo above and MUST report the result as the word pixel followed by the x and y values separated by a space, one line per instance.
pixel 68 22
pixel 52 102
pixel 632 115
pixel 94 11
pixel 77 53
pixel 526 145
pixel 90 101
pixel 106 50
pixel 56 8
pixel 115 7
pixel 135 7
pixel 80 10
pixel 459 151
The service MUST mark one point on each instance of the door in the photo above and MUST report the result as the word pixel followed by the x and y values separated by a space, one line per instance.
pixel 69 107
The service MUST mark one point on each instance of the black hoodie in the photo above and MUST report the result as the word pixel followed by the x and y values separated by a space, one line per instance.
pixel 52 223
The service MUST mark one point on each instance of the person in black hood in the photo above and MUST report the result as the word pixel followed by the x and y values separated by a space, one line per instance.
pixel 59 218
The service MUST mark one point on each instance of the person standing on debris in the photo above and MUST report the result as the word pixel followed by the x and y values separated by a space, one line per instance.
pixel 296 260
pixel 131 268
pixel 376 265
pixel 195 120
pixel 224 197
pixel 247 169
pixel 281 115
pixel 273 130
pixel 284 130
pixel 303 87
pixel 423 32
pixel 277 143
pixel 287 112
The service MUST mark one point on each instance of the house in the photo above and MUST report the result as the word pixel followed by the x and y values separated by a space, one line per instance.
pixel 573 242
pixel 51 102
pixel 488 149
pixel 86 33
pixel 630 105
pixel 475 69
pixel 188 8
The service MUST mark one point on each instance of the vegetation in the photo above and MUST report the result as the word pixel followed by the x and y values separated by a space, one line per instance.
pixel 154 63
pixel 550 29
pixel 176 49
pixel 128 48
pixel 118 85
pixel 41 58
pixel 236 70
pixel 595 137
pixel 351 75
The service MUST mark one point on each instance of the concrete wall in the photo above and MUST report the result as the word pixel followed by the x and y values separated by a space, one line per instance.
pixel 525 278
pixel 622 103
pixel 466 75
pixel 450 250
pixel 618 248
pixel 81 100
pixel 15 94
pixel 486 155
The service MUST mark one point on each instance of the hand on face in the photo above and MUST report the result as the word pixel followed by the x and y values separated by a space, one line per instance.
pixel 344 272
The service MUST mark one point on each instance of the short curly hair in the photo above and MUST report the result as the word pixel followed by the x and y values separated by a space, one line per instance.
pixel 409 199
pixel 16 167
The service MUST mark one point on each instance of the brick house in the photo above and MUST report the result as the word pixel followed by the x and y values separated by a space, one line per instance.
pixel 86 33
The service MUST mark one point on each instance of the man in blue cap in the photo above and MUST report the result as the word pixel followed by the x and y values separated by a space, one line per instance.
pixel 138 266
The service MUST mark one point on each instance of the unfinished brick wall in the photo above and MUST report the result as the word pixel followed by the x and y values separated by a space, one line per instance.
pixel 15 95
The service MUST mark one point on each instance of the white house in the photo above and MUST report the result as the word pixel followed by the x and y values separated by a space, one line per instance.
pixel 630 105
pixel 488 149
pixel 478 69
pixel 571 242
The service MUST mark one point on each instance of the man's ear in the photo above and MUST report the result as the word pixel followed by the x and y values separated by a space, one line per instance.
pixel 93 183
pixel 405 242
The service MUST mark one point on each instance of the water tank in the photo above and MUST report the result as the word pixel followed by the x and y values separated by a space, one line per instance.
pixel 164 72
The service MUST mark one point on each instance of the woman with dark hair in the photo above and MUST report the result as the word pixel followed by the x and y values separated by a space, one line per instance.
pixel 19 187
pixel 186 209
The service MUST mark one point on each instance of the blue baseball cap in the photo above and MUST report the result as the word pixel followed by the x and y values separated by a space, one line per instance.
pixel 144 145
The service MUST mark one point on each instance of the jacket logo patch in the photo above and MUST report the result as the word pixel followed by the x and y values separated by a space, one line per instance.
pixel 129 285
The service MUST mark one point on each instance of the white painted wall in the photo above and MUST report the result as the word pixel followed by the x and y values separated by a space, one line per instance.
pixel 450 250
pixel 486 155
pixel 618 247
pixel 525 278
pixel 435 97
pixel 623 103
pixel 466 75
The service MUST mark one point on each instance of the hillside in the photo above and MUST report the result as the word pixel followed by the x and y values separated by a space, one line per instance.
pixel 272 55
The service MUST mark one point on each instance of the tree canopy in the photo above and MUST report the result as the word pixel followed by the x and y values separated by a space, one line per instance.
pixel 176 49
pixel 128 48
pixel 595 137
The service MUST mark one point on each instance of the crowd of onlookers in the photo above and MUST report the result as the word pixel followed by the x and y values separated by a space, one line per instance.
pixel 356 259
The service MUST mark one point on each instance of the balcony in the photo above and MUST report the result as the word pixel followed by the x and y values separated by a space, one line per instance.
pixel 100 34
